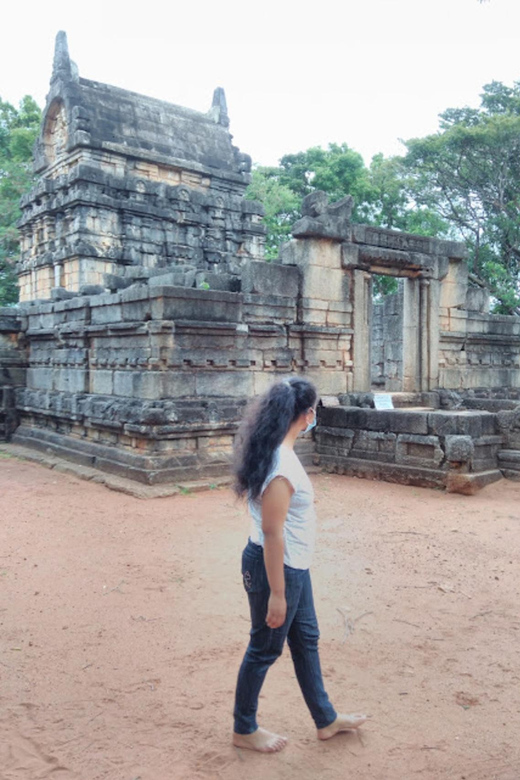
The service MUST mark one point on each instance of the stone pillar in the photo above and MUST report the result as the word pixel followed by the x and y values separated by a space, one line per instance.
pixel 322 288
pixel 424 334
pixel 324 311
pixel 433 335
pixel 362 298
pixel 411 336
pixel 58 275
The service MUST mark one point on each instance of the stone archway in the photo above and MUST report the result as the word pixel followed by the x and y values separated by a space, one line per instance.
pixel 55 132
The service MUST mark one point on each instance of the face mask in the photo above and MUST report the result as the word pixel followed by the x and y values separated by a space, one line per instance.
pixel 310 425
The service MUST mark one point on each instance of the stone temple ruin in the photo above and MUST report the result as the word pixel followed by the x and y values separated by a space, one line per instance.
pixel 148 316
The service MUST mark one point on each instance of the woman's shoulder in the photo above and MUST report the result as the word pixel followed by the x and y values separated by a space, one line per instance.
pixel 289 462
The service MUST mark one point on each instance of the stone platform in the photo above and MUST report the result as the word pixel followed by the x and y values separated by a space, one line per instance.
pixel 456 450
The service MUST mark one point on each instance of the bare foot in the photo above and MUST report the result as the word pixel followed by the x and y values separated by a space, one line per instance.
pixel 342 723
pixel 261 740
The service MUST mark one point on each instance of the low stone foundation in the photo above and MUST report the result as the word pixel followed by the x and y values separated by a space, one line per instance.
pixel 150 383
pixel 453 450
pixel 151 454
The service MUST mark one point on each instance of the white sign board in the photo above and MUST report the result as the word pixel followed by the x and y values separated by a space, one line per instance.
pixel 329 400
pixel 383 401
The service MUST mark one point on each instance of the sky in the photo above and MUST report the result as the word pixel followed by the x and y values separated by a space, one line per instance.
pixel 296 73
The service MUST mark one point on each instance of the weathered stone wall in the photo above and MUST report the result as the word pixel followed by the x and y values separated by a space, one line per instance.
pixel 85 224
pixel 479 350
pixel 476 349
pixel 12 369
pixel 150 382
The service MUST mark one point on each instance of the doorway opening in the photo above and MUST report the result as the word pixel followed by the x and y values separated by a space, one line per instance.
pixel 386 334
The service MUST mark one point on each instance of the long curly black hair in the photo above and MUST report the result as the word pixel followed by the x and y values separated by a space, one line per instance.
pixel 263 429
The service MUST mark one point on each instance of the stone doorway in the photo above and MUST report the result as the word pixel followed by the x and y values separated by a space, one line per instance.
pixel 386 334
pixel 412 358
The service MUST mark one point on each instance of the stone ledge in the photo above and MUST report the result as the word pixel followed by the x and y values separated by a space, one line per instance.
pixel 120 484
pixel 387 472
pixel 510 456
pixel 469 484
pixel 512 474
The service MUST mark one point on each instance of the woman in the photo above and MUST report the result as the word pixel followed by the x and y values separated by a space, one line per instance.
pixel 276 560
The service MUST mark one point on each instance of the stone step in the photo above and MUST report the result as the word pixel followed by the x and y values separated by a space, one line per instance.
pixel 512 474
pixel 511 457
pixel 509 464
pixel 469 484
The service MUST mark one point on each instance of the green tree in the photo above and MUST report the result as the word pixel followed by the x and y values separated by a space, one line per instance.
pixel 469 173
pixel 337 170
pixel 381 195
pixel 18 130
pixel 390 202
pixel 282 207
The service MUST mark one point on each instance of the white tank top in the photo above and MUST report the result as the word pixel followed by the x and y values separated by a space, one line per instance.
pixel 299 531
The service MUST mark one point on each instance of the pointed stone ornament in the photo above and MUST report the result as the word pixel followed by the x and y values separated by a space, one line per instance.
pixel 62 65
pixel 218 110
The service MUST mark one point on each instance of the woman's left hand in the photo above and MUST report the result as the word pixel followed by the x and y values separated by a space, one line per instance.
pixel 276 611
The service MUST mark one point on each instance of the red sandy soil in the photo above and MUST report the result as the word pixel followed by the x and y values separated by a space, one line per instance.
pixel 123 623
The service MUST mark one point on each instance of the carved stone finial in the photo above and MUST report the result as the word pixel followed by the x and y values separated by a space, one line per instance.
pixel 218 109
pixel 322 219
pixel 62 67
pixel 315 204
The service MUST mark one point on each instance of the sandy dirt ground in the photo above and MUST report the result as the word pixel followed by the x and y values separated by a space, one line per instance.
pixel 123 623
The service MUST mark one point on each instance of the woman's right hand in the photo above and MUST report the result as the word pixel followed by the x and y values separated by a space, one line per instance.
pixel 276 611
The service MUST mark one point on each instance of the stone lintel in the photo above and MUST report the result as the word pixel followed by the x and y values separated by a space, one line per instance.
pixel 393 239
pixel 201 295
pixel 394 258
pixel 410 242
pixel 391 421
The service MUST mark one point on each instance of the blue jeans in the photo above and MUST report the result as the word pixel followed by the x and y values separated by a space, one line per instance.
pixel 266 644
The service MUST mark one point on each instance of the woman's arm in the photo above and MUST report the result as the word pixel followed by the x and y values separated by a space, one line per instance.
pixel 275 505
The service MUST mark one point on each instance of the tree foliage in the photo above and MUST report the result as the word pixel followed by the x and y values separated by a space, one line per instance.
pixel 469 173
pixel 281 205
pixel 462 182
pixel 18 130
pixel 337 170
pixel 380 191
